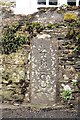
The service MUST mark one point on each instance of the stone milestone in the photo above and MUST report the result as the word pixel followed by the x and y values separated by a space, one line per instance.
pixel 44 70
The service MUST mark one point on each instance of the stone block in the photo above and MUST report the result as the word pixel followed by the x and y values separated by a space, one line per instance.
pixel 44 70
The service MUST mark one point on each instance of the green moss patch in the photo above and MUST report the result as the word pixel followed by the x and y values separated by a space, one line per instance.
pixel 70 16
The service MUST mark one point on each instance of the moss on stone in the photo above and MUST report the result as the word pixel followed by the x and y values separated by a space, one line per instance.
pixel 6 94
pixel 70 16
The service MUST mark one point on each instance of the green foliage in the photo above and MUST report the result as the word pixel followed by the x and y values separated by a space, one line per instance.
pixel 29 27
pixel 11 41
pixel 15 35
pixel 74 82
pixel 38 26
pixel 74 23
pixel 34 26
pixel 14 27
pixel 52 26
pixel 67 94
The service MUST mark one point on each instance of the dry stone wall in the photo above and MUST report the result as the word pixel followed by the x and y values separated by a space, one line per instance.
pixel 19 80
pixel 15 79
pixel 69 68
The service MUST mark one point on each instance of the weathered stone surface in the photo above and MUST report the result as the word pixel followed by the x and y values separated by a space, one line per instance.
pixel 15 68
pixel 43 17
pixel 13 75
pixel 44 70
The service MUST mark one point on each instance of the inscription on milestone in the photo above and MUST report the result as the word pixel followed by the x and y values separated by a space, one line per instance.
pixel 44 70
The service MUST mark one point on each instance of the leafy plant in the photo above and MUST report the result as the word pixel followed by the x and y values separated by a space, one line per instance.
pixel 30 27
pixel 38 26
pixel 52 26
pixel 15 35
pixel 74 82
pixel 67 94
pixel 11 41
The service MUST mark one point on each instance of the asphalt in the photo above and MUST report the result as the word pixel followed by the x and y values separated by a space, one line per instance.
pixel 18 111
pixel 26 113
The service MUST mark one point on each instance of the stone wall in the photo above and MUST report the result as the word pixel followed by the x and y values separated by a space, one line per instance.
pixel 15 77
pixel 16 68
pixel 69 67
